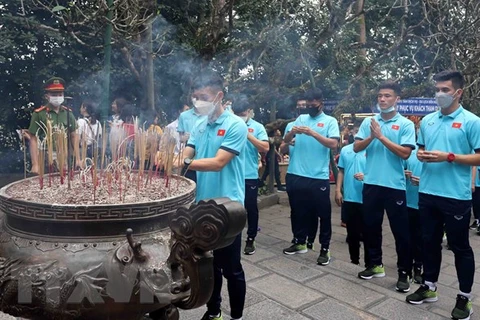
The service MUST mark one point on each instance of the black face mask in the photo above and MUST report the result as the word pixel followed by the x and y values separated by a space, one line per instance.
pixel 302 111
pixel 313 111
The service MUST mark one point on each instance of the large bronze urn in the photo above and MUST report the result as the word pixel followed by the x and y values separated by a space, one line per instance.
pixel 117 261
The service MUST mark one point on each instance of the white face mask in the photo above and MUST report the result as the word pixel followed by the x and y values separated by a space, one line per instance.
pixel 205 108
pixel 56 101
pixel 444 100
pixel 388 110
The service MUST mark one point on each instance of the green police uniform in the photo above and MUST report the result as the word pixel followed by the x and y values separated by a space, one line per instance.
pixel 59 120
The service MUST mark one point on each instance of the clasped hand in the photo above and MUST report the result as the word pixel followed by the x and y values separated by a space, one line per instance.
pixel 302 130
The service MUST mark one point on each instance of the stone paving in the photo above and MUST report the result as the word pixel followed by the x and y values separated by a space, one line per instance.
pixel 296 288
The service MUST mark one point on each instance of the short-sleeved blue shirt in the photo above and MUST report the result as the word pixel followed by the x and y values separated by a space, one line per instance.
pixel 414 165
pixel 187 120
pixel 352 163
pixel 229 133
pixel 383 167
pixel 310 158
pixel 257 130
pixel 458 132
pixel 288 128
pixel 477 177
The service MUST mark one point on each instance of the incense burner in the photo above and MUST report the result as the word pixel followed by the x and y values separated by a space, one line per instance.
pixel 116 261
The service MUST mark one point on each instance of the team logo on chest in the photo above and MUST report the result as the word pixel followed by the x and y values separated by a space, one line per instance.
pixel 320 124
pixel 456 125
pixel 221 132
pixel 395 127
pixel 250 130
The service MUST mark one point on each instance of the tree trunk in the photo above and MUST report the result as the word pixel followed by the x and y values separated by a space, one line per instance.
pixel 149 81
pixel 362 40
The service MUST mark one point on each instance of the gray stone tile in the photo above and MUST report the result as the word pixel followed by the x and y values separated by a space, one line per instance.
pixel 260 254
pixel 252 271
pixel 195 314
pixel 251 298
pixel 333 309
pixel 346 291
pixel 287 292
pixel 266 240
pixel 392 309
pixel 271 310
pixel 291 269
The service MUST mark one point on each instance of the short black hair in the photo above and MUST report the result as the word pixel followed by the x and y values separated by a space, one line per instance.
pixel 241 104
pixel 455 76
pixel 392 85
pixel 300 96
pixel 208 79
pixel 314 94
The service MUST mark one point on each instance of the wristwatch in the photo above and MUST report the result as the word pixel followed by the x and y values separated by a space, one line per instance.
pixel 451 157
pixel 187 161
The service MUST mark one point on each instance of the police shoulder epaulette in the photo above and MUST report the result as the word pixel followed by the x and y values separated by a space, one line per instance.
pixel 65 108
pixel 41 109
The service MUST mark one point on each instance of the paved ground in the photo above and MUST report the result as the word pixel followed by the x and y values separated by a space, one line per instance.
pixel 296 288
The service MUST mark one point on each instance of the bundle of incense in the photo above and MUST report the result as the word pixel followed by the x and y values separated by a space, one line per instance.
pixel 61 146
pixel 104 146
pixel 49 137
pixel 41 161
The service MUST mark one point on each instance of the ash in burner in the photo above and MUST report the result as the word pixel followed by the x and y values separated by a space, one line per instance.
pixel 124 188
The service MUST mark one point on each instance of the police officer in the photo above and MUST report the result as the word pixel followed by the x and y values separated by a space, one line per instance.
pixel 58 115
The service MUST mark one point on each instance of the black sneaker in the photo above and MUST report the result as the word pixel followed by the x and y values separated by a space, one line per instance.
pixel 403 283
pixel 423 294
pixel 207 316
pixel 474 225
pixel 463 308
pixel 295 249
pixel 310 246
pixel 417 275
pixel 249 246
pixel 324 257
pixel 372 272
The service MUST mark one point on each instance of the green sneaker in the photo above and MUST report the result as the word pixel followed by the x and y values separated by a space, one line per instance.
pixel 207 316
pixel 463 308
pixel 403 283
pixel 372 272
pixel 249 247
pixel 423 294
pixel 296 248
pixel 324 257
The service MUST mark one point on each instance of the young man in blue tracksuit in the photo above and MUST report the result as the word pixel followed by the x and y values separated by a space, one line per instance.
pixel 449 145
pixel 216 150
pixel 388 139
pixel 413 168
pixel 308 184
pixel 257 142
pixel 348 195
